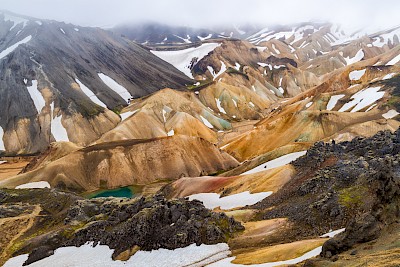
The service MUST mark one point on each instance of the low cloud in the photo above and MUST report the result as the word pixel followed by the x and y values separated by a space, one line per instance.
pixel 353 14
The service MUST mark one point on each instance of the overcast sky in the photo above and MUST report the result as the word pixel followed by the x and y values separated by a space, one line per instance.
pixel 106 13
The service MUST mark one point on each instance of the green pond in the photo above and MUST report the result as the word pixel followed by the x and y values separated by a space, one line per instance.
pixel 127 192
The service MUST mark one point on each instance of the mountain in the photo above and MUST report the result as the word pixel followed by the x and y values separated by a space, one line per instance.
pixel 290 130
pixel 60 82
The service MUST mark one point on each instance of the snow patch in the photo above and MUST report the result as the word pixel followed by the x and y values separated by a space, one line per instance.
pixel 14 19
pixel 76 29
pixel 391 62
pixel 309 104
pixel 356 58
pixel 57 129
pixel 388 76
pixel 171 132
pixel 332 101
pixel 363 99
pixel 10 49
pixel 220 108
pixel 204 38
pixel 355 75
pixel 101 255
pixel 278 162
pixel 182 59
pixel 90 94
pixel 61 29
pixel 1 139
pixel 127 114
pixel 206 122
pixel 213 200
pixel 215 75
pixel 390 114
pixel 41 184
pixel 36 96
pixel 331 233
pixel 116 87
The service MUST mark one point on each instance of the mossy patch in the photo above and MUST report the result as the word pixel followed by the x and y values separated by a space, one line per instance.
pixel 352 197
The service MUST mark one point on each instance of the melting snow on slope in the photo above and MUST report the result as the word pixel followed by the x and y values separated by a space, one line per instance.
pixel 2 161
pixel 1 139
pixel 390 114
pixel 15 20
pixel 204 38
pixel 10 49
pixel 388 76
pixel 213 200
pixel 356 58
pixel 36 96
pixel 100 255
pixel 355 75
pixel 220 108
pixel 127 114
pixel 363 99
pixel 116 87
pixel 90 94
pixel 309 104
pixel 212 71
pixel 391 62
pixel 57 129
pixel 40 184
pixel 171 132
pixel 332 101
pixel 206 122
pixel 333 233
pixel 278 162
pixel 182 59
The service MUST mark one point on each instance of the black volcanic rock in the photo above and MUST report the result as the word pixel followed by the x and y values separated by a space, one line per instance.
pixel 353 184
pixel 148 223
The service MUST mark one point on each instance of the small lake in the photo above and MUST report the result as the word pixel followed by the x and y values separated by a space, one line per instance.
pixel 127 192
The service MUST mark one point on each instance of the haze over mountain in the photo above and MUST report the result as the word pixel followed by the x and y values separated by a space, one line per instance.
pixel 169 140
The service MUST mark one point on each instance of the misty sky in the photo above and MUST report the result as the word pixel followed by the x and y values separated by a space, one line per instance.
pixel 107 13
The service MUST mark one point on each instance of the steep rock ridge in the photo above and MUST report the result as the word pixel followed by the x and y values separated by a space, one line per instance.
pixel 125 225
pixel 334 181
pixel 129 162
pixel 51 72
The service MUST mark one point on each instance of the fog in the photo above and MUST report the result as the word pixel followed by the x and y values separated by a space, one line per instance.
pixel 205 13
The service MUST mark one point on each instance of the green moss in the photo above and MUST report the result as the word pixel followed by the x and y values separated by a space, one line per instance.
pixel 231 70
pixel 202 85
pixel 353 196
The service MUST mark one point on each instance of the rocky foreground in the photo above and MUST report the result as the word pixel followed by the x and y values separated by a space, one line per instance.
pixel 125 225
pixel 353 184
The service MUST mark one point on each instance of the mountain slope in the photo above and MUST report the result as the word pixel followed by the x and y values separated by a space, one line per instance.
pixel 59 81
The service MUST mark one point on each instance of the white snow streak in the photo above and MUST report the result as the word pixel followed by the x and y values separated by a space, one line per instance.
pixel 116 87
pixel 10 49
pixel 1 139
pixel 101 255
pixel 41 184
pixel 36 96
pixel 390 114
pixel 332 101
pixel 206 122
pixel 355 75
pixel 213 200
pixel 182 59
pixel 363 99
pixel 278 162
pixel 90 94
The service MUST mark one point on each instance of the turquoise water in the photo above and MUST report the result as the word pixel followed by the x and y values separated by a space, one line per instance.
pixel 118 192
